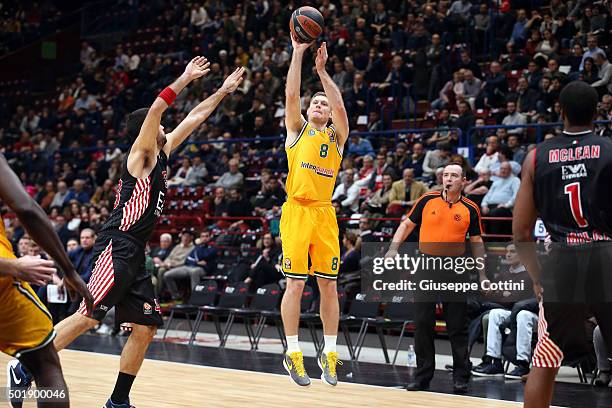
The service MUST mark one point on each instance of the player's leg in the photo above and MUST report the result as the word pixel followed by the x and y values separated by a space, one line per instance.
pixel 539 387
pixel 104 287
pixel 325 255
pixel 140 308
pixel 72 327
pixel 44 366
pixel 295 236
pixel 132 357
pixel 26 332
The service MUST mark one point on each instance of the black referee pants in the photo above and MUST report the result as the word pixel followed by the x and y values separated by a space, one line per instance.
pixel 455 314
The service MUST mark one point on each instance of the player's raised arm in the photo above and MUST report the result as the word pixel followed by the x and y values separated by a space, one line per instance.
pixel 523 222
pixel 201 112
pixel 144 150
pixel 36 222
pixel 293 108
pixel 334 96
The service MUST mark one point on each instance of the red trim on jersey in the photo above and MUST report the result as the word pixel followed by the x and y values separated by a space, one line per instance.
pixel 546 354
pixel 135 207
pixel 102 277
pixel 118 193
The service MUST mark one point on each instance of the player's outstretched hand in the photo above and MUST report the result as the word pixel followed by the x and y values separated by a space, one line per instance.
pixel 232 82
pixel 298 46
pixel 321 59
pixel 75 284
pixel 33 269
pixel 197 67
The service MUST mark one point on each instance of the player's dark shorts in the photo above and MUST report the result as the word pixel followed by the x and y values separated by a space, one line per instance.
pixel 120 279
pixel 577 285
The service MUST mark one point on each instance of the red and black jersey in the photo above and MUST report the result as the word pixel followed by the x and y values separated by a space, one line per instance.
pixel 573 187
pixel 139 202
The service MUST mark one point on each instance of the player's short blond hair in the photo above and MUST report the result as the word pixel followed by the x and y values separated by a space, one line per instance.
pixel 318 94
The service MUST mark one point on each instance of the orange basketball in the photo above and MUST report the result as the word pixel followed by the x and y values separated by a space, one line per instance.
pixel 306 24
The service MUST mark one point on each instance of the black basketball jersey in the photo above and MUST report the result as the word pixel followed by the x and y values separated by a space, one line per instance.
pixel 139 202
pixel 573 187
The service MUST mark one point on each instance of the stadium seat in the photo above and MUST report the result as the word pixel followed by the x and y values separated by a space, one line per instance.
pixel 203 294
pixel 360 310
pixel 234 296
pixel 266 299
pixel 305 306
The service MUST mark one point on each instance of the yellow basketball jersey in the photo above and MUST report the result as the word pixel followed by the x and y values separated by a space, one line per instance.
pixel 6 249
pixel 314 160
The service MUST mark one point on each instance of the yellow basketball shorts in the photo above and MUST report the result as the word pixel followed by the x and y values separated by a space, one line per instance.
pixel 25 323
pixel 309 230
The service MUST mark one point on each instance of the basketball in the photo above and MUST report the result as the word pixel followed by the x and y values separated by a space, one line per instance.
pixel 306 24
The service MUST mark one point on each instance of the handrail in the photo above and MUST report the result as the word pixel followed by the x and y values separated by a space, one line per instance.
pixel 537 126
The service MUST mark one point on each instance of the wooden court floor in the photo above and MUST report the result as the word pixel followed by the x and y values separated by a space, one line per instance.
pixel 91 378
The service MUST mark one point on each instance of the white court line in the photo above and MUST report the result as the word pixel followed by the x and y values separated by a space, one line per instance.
pixel 283 375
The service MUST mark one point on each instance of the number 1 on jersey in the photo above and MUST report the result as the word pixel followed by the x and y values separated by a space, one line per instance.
pixel 573 192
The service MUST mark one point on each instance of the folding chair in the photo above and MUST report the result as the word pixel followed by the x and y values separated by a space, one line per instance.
pixel 233 297
pixel 396 314
pixel 360 310
pixel 266 299
pixel 203 294
pixel 314 318
pixel 305 306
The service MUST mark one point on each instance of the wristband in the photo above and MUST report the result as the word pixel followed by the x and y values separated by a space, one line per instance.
pixel 168 95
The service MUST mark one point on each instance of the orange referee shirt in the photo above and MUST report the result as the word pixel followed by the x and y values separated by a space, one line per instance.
pixel 441 222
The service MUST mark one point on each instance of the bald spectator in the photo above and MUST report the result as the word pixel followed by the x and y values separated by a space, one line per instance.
pixel 160 253
pixel 499 200
pixel 60 196
pixel 77 192
pixel 406 191
pixel 604 84
pixel 591 50
pixel 231 179
pixel 489 157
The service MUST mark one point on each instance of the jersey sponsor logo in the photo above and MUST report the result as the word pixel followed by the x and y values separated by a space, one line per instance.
pixel 586 236
pixel 574 153
pixel 573 171
pixel 311 132
pixel 321 171
pixel 332 138
pixel 157 307
pixel 457 217
pixel 159 207
pixel 165 177
pixel 287 263
pixel 104 308
pixel 147 309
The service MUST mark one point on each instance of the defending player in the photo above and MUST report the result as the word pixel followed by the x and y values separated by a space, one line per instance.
pixel 566 181
pixel 119 277
pixel 308 223
pixel 26 327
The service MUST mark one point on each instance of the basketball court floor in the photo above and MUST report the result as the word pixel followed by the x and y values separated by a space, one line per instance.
pixel 176 375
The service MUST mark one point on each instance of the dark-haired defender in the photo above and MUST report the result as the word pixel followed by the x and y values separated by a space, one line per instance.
pixel 119 277
pixel 566 181
pixel 308 222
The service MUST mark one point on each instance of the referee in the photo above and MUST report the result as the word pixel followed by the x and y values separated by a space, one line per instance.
pixel 445 219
